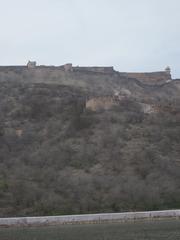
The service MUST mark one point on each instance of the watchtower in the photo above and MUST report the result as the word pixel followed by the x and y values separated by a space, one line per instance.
pixel 168 69
pixel 31 64
pixel 68 67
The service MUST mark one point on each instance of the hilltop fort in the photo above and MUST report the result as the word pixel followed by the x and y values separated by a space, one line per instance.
pixel 86 139
pixel 150 78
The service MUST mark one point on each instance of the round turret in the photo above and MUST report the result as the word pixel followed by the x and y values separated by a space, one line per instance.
pixel 168 69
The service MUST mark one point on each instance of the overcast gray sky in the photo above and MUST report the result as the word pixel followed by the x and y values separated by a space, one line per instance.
pixel 131 35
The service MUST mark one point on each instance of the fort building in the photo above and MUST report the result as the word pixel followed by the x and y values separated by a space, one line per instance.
pixel 31 64
pixel 148 78
pixel 94 69
pixel 68 67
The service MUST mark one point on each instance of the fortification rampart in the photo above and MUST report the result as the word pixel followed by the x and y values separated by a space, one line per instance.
pixel 94 69
pixel 150 78
pixel 12 68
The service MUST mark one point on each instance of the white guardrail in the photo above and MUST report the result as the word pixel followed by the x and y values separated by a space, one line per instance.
pixel 88 218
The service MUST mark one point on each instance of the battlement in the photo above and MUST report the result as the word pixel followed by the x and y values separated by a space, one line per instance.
pixel 69 68
pixel 149 78
pixel 94 69
pixel 145 77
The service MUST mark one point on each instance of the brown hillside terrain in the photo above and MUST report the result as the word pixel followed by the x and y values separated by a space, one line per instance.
pixel 86 141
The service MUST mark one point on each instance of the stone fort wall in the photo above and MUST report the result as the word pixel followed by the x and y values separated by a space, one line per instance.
pixel 94 69
pixel 151 77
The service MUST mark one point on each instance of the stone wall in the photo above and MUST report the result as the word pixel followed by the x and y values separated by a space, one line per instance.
pixel 68 67
pixel 94 69
pixel 104 102
pixel 89 218
pixel 150 78
pixel 153 78
pixel 98 103
pixel 12 68
pixel 176 82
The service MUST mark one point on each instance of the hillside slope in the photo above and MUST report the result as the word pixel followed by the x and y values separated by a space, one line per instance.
pixel 57 157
